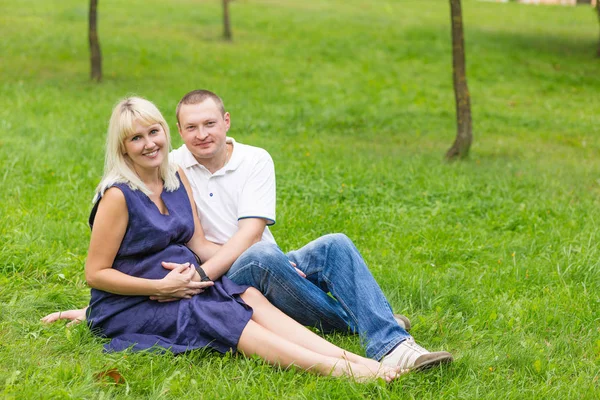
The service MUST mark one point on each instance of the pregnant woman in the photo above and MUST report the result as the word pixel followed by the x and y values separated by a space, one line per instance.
pixel 144 214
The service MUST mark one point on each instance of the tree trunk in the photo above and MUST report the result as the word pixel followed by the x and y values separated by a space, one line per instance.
pixel 95 54
pixel 226 22
pixel 464 136
pixel 598 12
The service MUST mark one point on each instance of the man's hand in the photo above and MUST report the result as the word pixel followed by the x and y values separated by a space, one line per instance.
pixel 302 274
pixel 182 282
pixel 74 316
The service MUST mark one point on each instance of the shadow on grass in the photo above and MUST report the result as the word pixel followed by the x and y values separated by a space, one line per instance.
pixel 543 44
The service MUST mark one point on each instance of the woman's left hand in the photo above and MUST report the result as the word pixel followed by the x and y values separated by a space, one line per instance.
pixel 190 275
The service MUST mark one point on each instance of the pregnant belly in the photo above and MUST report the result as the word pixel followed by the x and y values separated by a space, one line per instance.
pixel 149 265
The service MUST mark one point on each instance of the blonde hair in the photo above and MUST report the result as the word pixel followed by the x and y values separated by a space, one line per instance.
pixel 117 165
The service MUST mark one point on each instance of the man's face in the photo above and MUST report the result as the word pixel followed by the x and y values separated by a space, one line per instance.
pixel 203 129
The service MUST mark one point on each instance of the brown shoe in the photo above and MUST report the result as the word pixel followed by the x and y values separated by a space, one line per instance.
pixel 403 321
pixel 427 361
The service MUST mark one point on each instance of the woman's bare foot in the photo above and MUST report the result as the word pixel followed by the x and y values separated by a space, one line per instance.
pixel 75 316
pixel 374 366
pixel 364 373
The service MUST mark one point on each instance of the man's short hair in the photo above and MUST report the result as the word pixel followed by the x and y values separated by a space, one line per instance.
pixel 197 97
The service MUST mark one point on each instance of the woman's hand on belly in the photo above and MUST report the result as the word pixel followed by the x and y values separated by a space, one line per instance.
pixel 180 283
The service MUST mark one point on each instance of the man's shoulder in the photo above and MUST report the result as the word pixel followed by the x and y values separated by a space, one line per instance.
pixel 252 153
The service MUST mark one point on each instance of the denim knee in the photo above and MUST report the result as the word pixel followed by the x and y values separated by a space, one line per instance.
pixel 339 238
pixel 340 241
pixel 264 253
pixel 261 258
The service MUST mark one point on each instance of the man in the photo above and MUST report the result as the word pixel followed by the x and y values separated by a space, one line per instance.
pixel 234 191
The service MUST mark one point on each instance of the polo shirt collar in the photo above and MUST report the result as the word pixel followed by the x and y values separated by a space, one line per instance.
pixel 188 160
pixel 236 157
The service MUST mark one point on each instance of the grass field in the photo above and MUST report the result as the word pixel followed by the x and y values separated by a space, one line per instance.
pixel 495 259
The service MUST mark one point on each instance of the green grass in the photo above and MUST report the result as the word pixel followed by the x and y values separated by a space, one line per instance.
pixel 495 259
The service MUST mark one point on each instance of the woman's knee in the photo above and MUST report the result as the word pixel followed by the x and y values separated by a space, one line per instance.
pixel 252 295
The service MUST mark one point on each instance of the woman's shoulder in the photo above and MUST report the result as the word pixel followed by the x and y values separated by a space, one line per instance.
pixel 112 200
pixel 115 194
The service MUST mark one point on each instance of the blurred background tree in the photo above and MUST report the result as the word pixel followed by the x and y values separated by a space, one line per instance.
pixel 95 53
pixel 598 12
pixel 226 21
pixel 464 135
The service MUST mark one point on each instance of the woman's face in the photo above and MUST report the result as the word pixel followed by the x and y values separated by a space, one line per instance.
pixel 146 146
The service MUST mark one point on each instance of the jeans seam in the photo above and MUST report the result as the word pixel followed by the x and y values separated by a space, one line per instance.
pixel 332 290
pixel 345 306
pixel 378 354
pixel 286 287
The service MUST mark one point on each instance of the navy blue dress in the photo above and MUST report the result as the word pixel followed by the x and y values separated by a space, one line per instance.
pixel 214 318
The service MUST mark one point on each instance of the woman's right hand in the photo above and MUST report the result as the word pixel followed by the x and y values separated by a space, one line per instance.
pixel 180 283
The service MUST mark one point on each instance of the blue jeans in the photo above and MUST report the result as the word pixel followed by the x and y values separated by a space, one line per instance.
pixel 332 264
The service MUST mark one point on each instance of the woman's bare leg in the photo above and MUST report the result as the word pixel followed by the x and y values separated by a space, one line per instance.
pixel 271 318
pixel 276 350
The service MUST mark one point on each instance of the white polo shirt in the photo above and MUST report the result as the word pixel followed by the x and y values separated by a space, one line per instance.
pixel 243 188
